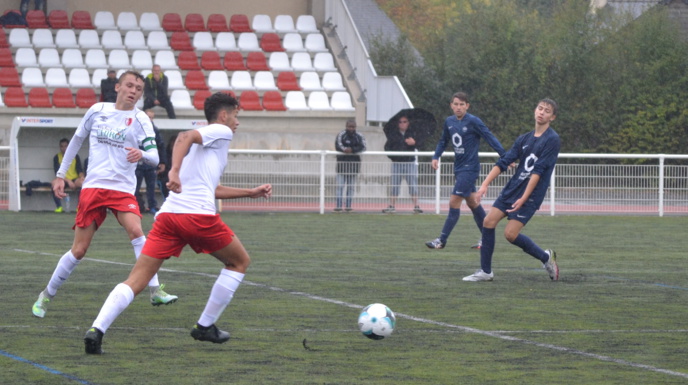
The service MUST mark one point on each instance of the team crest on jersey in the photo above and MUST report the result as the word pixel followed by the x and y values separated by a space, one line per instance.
pixel 128 121
pixel 464 128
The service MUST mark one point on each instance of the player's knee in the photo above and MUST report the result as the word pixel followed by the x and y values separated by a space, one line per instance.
pixel 510 236
pixel 79 251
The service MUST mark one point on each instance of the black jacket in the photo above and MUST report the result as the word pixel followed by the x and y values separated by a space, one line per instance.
pixel 396 142
pixel 349 163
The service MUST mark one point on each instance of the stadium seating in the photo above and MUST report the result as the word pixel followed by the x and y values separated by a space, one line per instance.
pixel 95 58
pixel 2 104
pixel 247 42
pixel 104 20
pixel 79 78
pixel 36 19
pixel 233 61
pixel 58 19
pixel 134 39
pixel 264 81
pixel 119 58
pixel 19 37
pixel 293 42
pixel 180 41
pixel 174 80
pixel 310 81
pixel 217 22
pixel 315 42
pixel 88 39
pixel 255 61
pixel 39 98
pixel 193 22
pixel 296 101
pixel 332 81
pixel 6 59
pixel 203 41
pixel 49 57
pixel 306 24
pixel 301 61
pixel 14 97
pixel 284 24
pixel 225 41
pixel 341 101
pixel 188 60
pixel 181 100
pixel 85 97
pixel 112 39
pixel 239 23
pixel 56 77
pixel 210 60
pixel 286 81
pixel 98 75
pixel 149 21
pixel 272 101
pixel 200 97
pixel 166 60
pixel 66 38
pixel 270 42
pixel 279 61
pixel 195 80
pixel 250 101
pixel 3 39
pixel 141 60
pixel 157 40
pixel 241 80
pixel 9 77
pixel 42 38
pixel 63 98
pixel 318 101
pixel 262 24
pixel 218 80
pixel 126 21
pixel 72 58
pixel 82 20
pixel 324 61
pixel 172 22
pixel 25 57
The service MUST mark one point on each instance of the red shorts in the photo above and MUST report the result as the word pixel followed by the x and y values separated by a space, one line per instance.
pixel 171 232
pixel 94 202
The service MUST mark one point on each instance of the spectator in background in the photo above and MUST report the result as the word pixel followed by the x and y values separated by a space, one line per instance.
pixel 24 6
pixel 107 87
pixel 403 167
pixel 155 92
pixel 351 143
pixel 162 175
pixel 150 173
pixel 74 177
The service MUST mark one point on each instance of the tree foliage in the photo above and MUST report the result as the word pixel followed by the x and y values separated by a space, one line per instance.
pixel 621 83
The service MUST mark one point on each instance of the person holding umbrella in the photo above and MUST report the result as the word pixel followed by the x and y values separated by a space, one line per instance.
pixel 403 167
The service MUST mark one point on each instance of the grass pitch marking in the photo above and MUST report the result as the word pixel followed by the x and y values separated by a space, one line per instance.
pixel 466 329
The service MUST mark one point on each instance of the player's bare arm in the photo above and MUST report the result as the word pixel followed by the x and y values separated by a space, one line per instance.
pixel 225 192
pixel 58 185
pixel 435 164
pixel 179 150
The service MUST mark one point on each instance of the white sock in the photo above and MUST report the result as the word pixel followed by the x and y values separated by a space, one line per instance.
pixel 120 297
pixel 138 246
pixel 63 270
pixel 220 296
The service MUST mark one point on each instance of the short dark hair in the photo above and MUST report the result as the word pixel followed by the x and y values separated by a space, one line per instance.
pixel 137 75
pixel 551 102
pixel 462 96
pixel 350 122
pixel 64 140
pixel 216 102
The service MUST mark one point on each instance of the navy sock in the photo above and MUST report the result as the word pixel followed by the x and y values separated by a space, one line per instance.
pixel 527 244
pixel 452 219
pixel 479 216
pixel 487 249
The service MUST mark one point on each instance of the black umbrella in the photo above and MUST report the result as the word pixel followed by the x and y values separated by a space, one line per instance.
pixel 422 124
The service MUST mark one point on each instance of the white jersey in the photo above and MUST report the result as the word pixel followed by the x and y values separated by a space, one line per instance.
pixel 200 173
pixel 109 131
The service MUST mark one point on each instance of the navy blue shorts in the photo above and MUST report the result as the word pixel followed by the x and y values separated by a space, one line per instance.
pixel 523 215
pixel 465 184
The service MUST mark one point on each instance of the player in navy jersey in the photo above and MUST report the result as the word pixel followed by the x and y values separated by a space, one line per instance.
pixel 537 153
pixel 463 131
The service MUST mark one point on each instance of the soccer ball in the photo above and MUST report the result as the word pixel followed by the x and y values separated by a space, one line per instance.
pixel 376 321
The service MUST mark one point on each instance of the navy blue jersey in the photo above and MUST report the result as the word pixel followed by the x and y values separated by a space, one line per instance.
pixel 536 155
pixel 464 136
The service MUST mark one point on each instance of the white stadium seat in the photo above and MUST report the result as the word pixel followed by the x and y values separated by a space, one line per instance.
pixel 279 61
pixel 126 21
pixel 56 77
pixel 318 101
pixel 49 57
pixel 284 24
pixel 119 59
pixel 203 41
pixel 264 81
pixel 293 42
pixel 174 80
pixel 104 20
pixel 88 38
pixel 79 78
pixel 95 58
pixel 25 57
pixel 181 100
pixel 135 40
pixel 324 61
pixel 98 75
pixel 248 41
pixel 166 60
pixel 72 58
pixel 341 101
pixel 241 80
pixel 315 42
pixel 306 24
pixel 42 38
pixel 141 59
pixel 32 77
pixel 19 37
pixel 262 24
pixel 301 61
pixel 332 81
pixel 66 38
pixel 218 80
pixel 111 40
pixel 225 41
pixel 149 21
pixel 296 101
pixel 310 81
pixel 157 40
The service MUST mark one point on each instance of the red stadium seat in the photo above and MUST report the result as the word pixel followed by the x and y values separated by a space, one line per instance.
pixel 3 39
pixel 233 61
pixel 210 60
pixel 286 81
pixel 250 101
pixel 58 19
pixel 255 61
pixel 63 98
pixel 272 101
pixel 172 22
pixel 6 58
pixel 217 22
pixel 193 22
pixel 188 60
pixel 9 77
pixel 39 98
pixel 14 97
pixel 82 20
pixel 180 41
pixel 239 23
pixel 195 80
pixel 270 42
pixel 86 97
pixel 199 98
pixel 36 19
pixel 14 25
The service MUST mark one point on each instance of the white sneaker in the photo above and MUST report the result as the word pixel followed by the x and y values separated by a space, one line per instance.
pixel 41 305
pixel 479 276
pixel 551 265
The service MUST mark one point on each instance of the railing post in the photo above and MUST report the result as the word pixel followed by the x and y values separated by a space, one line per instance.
pixel 322 182
pixel 661 185
pixel 552 192
pixel 438 180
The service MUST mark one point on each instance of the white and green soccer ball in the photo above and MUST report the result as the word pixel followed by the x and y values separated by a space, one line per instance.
pixel 377 321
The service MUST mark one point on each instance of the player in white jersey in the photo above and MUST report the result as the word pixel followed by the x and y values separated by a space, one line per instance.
pixel 188 216
pixel 115 131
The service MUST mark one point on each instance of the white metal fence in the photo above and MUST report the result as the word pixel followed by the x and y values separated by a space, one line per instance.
pixel 304 181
